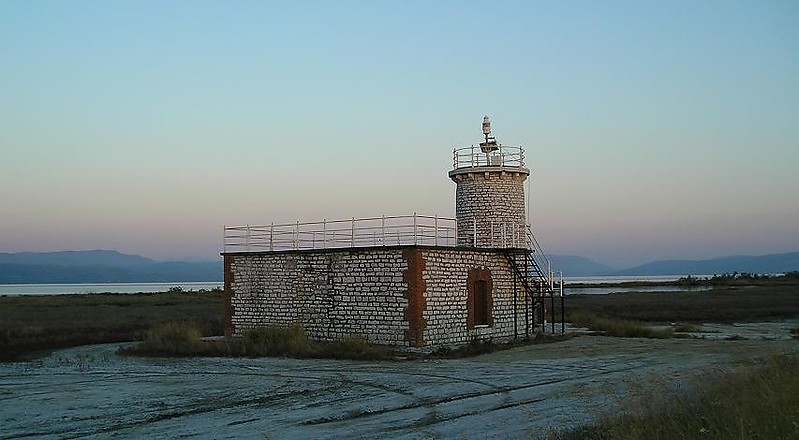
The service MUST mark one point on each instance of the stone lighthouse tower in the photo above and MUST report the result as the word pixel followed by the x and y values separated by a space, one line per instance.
pixel 489 199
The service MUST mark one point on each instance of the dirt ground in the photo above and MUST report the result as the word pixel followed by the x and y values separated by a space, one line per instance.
pixel 90 392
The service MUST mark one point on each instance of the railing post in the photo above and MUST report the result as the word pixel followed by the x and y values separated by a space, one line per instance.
pixel 272 237
pixel 383 229
pixel 436 228
pixel 352 235
pixel 297 235
pixel 471 159
pixel 224 239
pixel 414 229
pixel 324 233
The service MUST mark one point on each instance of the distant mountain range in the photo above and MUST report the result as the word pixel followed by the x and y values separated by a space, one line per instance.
pixel 103 266
pixel 772 263
pixel 100 266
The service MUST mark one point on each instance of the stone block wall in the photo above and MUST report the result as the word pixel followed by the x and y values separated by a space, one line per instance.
pixel 332 294
pixel 411 296
pixel 446 314
pixel 490 197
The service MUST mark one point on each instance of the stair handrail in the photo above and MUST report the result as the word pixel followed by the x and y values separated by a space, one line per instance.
pixel 540 257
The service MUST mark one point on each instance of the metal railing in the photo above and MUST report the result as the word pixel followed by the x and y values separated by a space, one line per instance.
pixel 403 230
pixel 541 259
pixel 504 156
pixel 423 230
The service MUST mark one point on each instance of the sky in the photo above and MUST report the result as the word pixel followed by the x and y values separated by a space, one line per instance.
pixel 653 130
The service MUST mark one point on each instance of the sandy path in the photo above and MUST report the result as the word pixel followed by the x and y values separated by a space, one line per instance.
pixel 89 392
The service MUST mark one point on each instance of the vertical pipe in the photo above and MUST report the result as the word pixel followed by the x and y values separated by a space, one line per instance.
pixel 474 231
pixel 527 302
pixel 552 300
pixel 562 307
pixel 515 300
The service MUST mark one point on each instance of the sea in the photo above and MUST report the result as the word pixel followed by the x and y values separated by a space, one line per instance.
pixel 75 289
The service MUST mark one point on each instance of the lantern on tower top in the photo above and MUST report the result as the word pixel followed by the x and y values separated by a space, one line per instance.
pixel 490 143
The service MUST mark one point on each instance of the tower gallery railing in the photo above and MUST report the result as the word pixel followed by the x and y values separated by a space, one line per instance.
pixel 472 157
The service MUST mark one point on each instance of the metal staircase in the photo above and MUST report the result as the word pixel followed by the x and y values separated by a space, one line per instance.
pixel 533 269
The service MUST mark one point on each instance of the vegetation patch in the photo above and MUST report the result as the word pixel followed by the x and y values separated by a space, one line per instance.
pixel 685 327
pixel 752 403
pixel 182 339
pixel 726 304
pixel 30 324
pixel 618 327
pixel 484 346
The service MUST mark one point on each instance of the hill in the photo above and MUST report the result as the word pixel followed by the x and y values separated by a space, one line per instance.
pixel 575 266
pixel 100 266
pixel 772 263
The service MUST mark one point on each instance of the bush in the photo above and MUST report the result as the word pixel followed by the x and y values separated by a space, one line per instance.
pixel 274 340
pixel 173 338
pixel 684 327
pixel 618 327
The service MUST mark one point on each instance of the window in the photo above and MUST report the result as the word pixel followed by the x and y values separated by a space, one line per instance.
pixel 479 302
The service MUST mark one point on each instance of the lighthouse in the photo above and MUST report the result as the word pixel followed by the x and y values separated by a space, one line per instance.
pixel 489 198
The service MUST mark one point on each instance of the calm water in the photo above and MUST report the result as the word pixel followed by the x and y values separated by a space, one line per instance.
pixel 623 279
pixel 61 289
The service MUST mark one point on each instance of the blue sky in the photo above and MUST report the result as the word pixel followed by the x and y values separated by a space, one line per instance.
pixel 653 129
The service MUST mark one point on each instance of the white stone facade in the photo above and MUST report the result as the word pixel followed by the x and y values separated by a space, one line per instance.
pixel 493 200
pixel 408 296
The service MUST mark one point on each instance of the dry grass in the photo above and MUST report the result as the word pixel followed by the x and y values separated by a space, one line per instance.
pixel 753 403
pixel 182 339
pixel 618 327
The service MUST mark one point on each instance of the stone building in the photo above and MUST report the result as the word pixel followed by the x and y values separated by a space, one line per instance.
pixel 412 281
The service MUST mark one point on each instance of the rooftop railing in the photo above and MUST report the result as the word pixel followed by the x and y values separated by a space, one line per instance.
pixel 504 156
pixel 406 230
pixel 423 230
